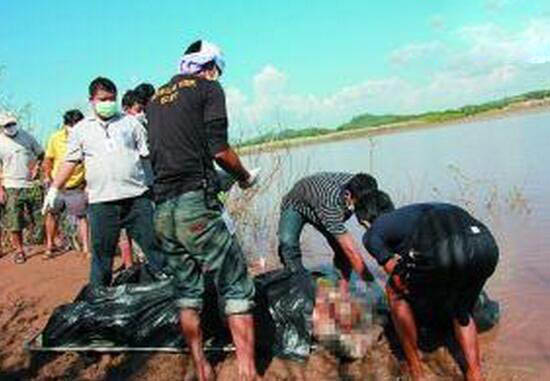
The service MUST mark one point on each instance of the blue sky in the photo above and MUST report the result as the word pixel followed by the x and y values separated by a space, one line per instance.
pixel 289 63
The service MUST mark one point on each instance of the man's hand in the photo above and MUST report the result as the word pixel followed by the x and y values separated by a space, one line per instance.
pixel 49 200
pixel 2 195
pixel 252 179
pixel 398 285
pixel 348 247
pixel 396 282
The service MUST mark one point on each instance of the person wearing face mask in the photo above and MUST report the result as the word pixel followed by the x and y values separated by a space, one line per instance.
pixel 188 128
pixel 112 147
pixel 73 196
pixel 325 201
pixel 134 105
pixel 20 156
pixel 131 105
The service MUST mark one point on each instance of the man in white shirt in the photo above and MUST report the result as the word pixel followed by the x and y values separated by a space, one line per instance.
pixel 20 156
pixel 112 147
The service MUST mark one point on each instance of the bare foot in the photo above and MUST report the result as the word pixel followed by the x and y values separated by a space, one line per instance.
pixel 207 372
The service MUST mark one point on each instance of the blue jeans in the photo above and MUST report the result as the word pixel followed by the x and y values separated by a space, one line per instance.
pixel 106 220
pixel 291 224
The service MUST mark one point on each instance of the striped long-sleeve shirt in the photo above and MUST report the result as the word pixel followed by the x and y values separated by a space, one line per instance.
pixel 320 199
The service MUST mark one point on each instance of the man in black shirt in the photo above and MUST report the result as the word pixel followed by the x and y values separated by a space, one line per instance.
pixel 438 258
pixel 187 124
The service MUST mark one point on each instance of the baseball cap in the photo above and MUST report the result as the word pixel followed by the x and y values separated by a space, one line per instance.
pixel 7 118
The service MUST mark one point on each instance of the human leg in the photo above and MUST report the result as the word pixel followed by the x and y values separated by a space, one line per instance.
pixel 466 335
pixel 125 246
pixel 405 325
pixel 139 224
pixel 242 332
pixel 481 265
pixel 190 326
pixel 105 229
pixel 83 232
pixel 211 245
pixel 189 282
pixel 15 221
pixel 76 201
pixel 291 224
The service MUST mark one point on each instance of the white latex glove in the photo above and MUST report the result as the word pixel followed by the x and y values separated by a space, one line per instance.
pixel 49 200
pixel 252 180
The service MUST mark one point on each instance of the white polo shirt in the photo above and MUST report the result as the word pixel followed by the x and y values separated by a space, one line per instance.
pixel 16 154
pixel 112 152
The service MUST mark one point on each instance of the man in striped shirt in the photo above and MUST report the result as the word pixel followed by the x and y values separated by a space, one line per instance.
pixel 324 200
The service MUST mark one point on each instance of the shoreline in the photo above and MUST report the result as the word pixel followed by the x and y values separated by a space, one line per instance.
pixel 519 108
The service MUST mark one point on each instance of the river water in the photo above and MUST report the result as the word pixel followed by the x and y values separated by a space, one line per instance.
pixel 497 169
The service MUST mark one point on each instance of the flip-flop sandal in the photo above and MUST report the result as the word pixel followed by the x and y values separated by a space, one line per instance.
pixel 19 258
pixel 48 254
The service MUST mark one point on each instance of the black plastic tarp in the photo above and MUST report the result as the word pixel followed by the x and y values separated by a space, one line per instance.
pixel 139 312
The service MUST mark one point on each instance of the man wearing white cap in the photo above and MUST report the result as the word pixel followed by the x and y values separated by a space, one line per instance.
pixel 20 156
pixel 187 122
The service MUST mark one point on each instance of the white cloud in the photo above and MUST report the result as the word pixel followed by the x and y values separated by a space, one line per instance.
pixel 489 62
pixel 491 44
pixel 413 51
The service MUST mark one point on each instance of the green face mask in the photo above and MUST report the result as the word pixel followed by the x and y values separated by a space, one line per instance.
pixel 105 109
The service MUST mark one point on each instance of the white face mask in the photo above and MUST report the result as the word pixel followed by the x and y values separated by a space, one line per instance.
pixel 11 130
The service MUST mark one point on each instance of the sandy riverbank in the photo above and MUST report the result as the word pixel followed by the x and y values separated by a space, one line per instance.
pixel 30 292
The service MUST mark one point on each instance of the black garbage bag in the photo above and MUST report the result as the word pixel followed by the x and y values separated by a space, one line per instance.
pixel 126 316
pixel 289 298
pixel 486 312
pixel 137 313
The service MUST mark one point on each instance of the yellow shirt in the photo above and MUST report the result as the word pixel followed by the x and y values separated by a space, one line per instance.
pixel 56 150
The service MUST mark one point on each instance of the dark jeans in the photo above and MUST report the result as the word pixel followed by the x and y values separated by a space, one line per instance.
pixel 291 224
pixel 106 220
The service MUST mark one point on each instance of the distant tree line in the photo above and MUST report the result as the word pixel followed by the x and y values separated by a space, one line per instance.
pixel 370 121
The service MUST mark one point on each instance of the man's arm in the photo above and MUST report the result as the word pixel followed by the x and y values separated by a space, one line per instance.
pixel 65 171
pixel 230 162
pixel 349 248
pixel 375 245
pixel 34 165
pixel 47 166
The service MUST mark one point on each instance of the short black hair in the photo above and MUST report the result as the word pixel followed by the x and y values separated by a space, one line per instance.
pixel 72 117
pixel 103 84
pixel 144 92
pixel 129 99
pixel 372 204
pixel 360 184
